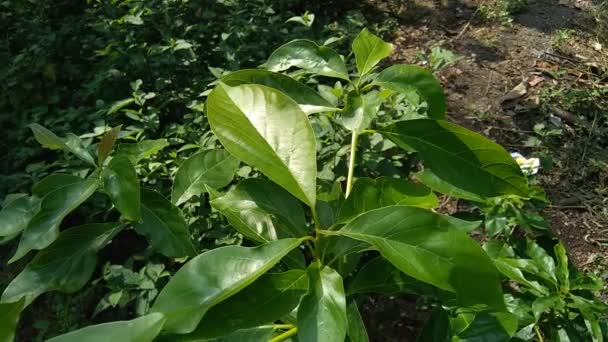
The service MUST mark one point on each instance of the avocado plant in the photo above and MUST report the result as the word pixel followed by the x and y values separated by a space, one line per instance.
pixel 312 249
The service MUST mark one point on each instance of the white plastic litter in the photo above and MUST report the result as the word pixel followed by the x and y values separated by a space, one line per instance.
pixel 529 166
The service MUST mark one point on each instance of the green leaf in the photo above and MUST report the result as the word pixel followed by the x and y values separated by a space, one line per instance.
pixel 164 226
pixel 262 333
pixel 53 182
pixel 215 168
pixel 406 78
pixel 307 55
pixel 43 228
pixel 428 178
pixel 436 328
pixel 121 183
pixel 266 300
pixel 562 272
pixel 266 129
pixel 142 329
pixel 322 312
pixel 542 304
pixel 9 317
pixel 369 49
pixel 70 143
pixel 262 211
pixel 141 150
pixel 16 215
pixel 360 110
pixel 511 271
pixel 118 105
pixel 461 157
pixel 356 327
pixel 107 143
pixel 66 265
pixel 495 326
pixel 425 246
pixel 213 277
pixel 309 100
pixel 543 260
pixel 368 194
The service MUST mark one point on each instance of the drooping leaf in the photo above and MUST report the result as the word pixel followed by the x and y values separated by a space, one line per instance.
pixel 490 326
pixel 309 100
pixel 425 246
pixel 262 211
pixel 66 265
pixel 16 215
pixel 266 300
pixel 307 55
pixel 106 144
pixel 142 329
pixel 43 228
pixel 266 129
pixel 121 183
pixel 360 110
pixel 141 150
pixel 9 317
pixel 405 78
pixel 211 278
pixel 428 178
pixel 356 328
pixel 70 143
pixel 164 226
pixel 215 168
pixel 369 49
pixel 436 328
pixel 322 312
pixel 460 157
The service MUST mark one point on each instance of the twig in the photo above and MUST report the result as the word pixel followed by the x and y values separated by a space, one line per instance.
pixel 467 25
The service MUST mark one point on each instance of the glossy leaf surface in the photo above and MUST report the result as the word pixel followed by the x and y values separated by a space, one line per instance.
pixel 360 110
pixel 70 143
pixel 307 55
pixel 369 49
pixel 16 215
pixel 121 183
pixel 356 329
pixel 141 150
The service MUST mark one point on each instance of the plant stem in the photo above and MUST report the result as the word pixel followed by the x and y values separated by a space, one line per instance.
pixel 285 335
pixel 538 334
pixel 351 163
pixel 283 326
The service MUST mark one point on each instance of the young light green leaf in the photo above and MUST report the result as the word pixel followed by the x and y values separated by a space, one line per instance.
pixel 356 327
pixel 262 211
pixel 164 226
pixel 425 246
pixel 460 157
pixel 322 312
pixel 562 272
pixel 141 150
pixel 16 215
pixel 142 329
pixel 266 129
pixel 121 183
pixel 66 265
pixel 118 105
pixel 9 317
pixel 405 78
pixel 360 110
pixel 309 100
pixel 428 178
pixel 70 143
pixel 212 277
pixel 43 228
pixel 266 300
pixel 542 304
pixel 369 50
pixel 307 55
pixel 106 144
pixel 215 168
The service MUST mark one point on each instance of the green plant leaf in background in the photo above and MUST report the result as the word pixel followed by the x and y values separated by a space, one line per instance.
pixel 43 228
pixel 16 215
pixel 369 50
pixel 322 312
pixel 70 143
pixel 262 211
pixel 360 110
pixel 309 100
pixel 309 56
pixel 141 150
pixel 121 183
pixel 142 329
pixel 460 157
pixel 356 329
pixel 405 78
pixel 215 168
pixel 164 226
pixel 266 129
pixel 211 278
pixel 106 144
pixel 9 317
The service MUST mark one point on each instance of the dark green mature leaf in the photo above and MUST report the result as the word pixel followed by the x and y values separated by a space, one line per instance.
pixel 309 100
pixel 9 317
pixel 213 277
pixel 43 228
pixel 16 215
pixel 142 329
pixel 360 110
pixel 66 265
pixel 436 328
pixel 215 168
pixel 369 194
pixel 461 157
pixel 511 271
pixel 266 129
pixel 106 144
pixel 307 55
pixel 266 300
pixel 369 49
pixel 262 211
pixel 53 182
pixel 70 143
pixel 543 260
pixel 405 78
pixel 428 178
pixel 141 150
pixel 322 312
pixel 356 327
pixel 425 246
pixel 164 226
pixel 262 333
pixel 121 183
pixel 498 326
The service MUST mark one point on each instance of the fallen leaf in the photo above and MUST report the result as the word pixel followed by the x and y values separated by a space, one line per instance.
pixel 535 81
pixel 515 93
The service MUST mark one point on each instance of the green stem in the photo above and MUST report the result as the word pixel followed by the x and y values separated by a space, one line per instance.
pixel 351 163
pixel 538 334
pixel 285 335
pixel 283 326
